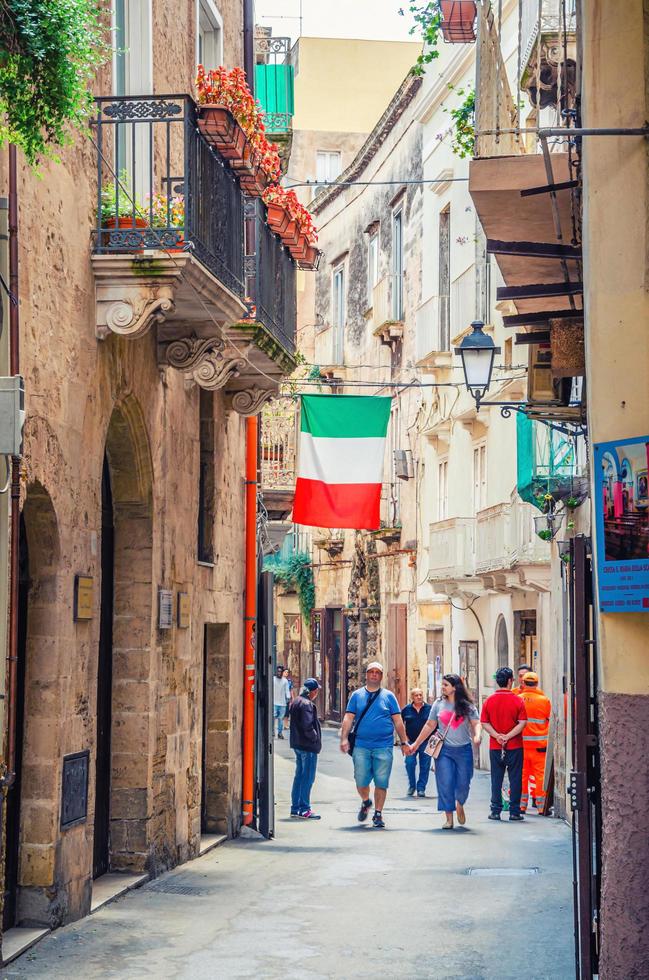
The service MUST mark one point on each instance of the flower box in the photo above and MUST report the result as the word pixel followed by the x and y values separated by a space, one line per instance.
pixel 278 218
pixel 125 223
pixel 310 258
pixel 220 128
pixel 291 234
pixel 458 20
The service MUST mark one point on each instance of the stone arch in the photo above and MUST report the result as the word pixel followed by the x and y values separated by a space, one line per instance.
pixel 502 642
pixel 41 647
pixel 132 709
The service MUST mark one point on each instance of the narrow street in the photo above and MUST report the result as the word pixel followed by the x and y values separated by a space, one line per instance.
pixel 334 899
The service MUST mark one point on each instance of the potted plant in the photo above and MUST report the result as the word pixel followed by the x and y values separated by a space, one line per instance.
pixel 118 208
pixel 277 213
pixel 169 212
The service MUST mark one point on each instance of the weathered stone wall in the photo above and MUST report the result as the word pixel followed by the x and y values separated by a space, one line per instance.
pixel 85 396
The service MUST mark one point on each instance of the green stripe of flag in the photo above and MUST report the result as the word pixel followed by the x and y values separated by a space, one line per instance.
pixel 345 416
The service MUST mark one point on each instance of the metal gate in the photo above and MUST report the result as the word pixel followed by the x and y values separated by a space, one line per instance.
pixel 584 778
pixel 264 809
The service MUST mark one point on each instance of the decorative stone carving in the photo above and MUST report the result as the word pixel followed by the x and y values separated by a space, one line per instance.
pixel 251 400
pixel 206 362
pixel 134 319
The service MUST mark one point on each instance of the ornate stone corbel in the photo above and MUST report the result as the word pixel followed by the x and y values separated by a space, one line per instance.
pixel 205 362
pixel 132 318
pixel 251 400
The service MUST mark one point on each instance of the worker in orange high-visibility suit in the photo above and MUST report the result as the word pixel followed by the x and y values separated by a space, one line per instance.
pixel 535 739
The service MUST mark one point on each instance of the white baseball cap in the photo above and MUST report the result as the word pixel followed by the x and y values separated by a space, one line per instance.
pixel 375 665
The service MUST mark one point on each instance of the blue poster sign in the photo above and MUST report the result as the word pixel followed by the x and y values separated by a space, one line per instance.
pixel 621 509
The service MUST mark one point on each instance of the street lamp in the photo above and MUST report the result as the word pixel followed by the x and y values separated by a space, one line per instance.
pixel 477 351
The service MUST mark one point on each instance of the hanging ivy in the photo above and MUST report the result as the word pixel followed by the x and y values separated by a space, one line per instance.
pixel 428 20
pixel 296 572
pixel 49 53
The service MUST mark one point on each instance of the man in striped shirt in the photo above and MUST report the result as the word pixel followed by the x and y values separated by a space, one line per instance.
pixel 535 740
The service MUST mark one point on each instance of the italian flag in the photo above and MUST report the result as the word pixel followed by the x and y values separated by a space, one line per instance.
pixel 340 460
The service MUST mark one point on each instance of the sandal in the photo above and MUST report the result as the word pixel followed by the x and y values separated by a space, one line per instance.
pixel 461 816
pixel 448 825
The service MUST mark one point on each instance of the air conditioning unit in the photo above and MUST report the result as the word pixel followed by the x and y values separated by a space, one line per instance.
pixel 403 464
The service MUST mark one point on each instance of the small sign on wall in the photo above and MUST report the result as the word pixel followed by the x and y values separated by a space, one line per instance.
pixel 184 610
pixel 83 596
pixel 165 609
pixel 74 789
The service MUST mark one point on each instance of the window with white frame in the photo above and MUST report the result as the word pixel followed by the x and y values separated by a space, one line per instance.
pixel 209 35
pixel 397 264
pixel 442 489
pixel 133 75
pixel 338 313
pixel 394 512
pixel 479 477
pixel 328 165
pixel 372 262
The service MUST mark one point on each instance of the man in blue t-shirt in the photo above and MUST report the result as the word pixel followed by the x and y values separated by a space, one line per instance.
pixel 373 728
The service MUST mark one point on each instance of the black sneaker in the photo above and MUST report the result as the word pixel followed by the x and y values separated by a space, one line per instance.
pixel 517 817
pixel 280 735
pixel 421 796
pixel 366 806
pixel 411 791
pixel 494 816
pixel 377 819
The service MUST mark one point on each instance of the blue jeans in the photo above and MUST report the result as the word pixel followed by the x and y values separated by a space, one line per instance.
pixel 372 764
pixel 424 769
pixel 453 773
pixel 305 767
pixel 279 710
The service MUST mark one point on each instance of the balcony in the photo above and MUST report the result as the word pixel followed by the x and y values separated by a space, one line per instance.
pixel 329 351
pixel 387 309
pixel 279 422
pixel 548 65
pixel 274 89
pixel 432 333
pixel 506 543
pixel 180 249
pixel 451 550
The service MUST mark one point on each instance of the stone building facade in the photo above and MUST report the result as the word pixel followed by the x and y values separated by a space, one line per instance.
pixel 133 478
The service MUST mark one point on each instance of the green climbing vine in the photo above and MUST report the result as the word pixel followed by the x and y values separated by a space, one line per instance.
pixel 49 53
pixel 428 20
pixel 295 572
pixel 463 129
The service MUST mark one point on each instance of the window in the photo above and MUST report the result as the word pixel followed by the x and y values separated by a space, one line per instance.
pixel 442 490
pixel 206 483
pixel 397 265
pixel 338 314
pixel 209 35
pixel 502 642
pixel 394 509
pixel 444 264
pixel 328 165
pixel 479 478
pixel 508 352
pixel 372 263
pixel 133 75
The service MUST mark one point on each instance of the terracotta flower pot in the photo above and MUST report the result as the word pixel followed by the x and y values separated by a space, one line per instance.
pixel 123 223
pixel 310 258
pixel 278 218
pixel 220 128
pixel 291 234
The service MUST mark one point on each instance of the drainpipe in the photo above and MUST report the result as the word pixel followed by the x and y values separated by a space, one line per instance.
pixel 249 42
pixel 14 364
pixel 250 615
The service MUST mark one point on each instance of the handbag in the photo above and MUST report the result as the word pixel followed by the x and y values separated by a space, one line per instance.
pixel 436 741
pixel 351 738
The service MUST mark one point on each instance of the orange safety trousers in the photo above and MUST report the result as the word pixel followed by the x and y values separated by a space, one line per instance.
pixel 533 774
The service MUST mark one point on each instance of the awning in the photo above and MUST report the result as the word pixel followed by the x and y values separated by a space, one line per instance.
pixel 537 279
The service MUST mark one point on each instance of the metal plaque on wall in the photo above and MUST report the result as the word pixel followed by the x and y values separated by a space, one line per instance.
pixel 74 789
pixel 165 609
pixel 83 596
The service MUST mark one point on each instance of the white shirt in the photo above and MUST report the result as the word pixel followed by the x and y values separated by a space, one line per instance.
pixel 281 691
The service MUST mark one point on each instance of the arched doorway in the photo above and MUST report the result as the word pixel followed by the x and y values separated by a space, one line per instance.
pixel 125 703
pixel 32 802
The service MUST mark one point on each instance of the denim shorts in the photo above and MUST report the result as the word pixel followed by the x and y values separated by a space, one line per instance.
pixel 372 764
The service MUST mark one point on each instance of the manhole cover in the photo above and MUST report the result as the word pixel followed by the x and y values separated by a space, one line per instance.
pixel 180 888
pixel 502 872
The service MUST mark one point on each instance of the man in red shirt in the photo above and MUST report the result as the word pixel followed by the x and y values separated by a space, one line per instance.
pixel 504 718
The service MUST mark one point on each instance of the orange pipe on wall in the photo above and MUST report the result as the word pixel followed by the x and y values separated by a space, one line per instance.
pixel 249 620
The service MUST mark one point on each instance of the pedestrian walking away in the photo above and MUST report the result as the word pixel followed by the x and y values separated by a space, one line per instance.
pixel 456 717
pixel 281 697
pixel 306 742
pixel 522 670
pixel 290 695
pixel 504 718
pixel 370 720
pixel 535 740
pixel 415 715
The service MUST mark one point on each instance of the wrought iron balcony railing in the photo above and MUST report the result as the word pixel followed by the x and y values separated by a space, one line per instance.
pixel 270 277
pixel 161 186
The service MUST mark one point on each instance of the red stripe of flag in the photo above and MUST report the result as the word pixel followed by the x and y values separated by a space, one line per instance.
pixel 355 505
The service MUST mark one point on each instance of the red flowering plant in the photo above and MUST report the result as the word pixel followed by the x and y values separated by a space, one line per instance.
pixel 297 212
pixel 229 88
